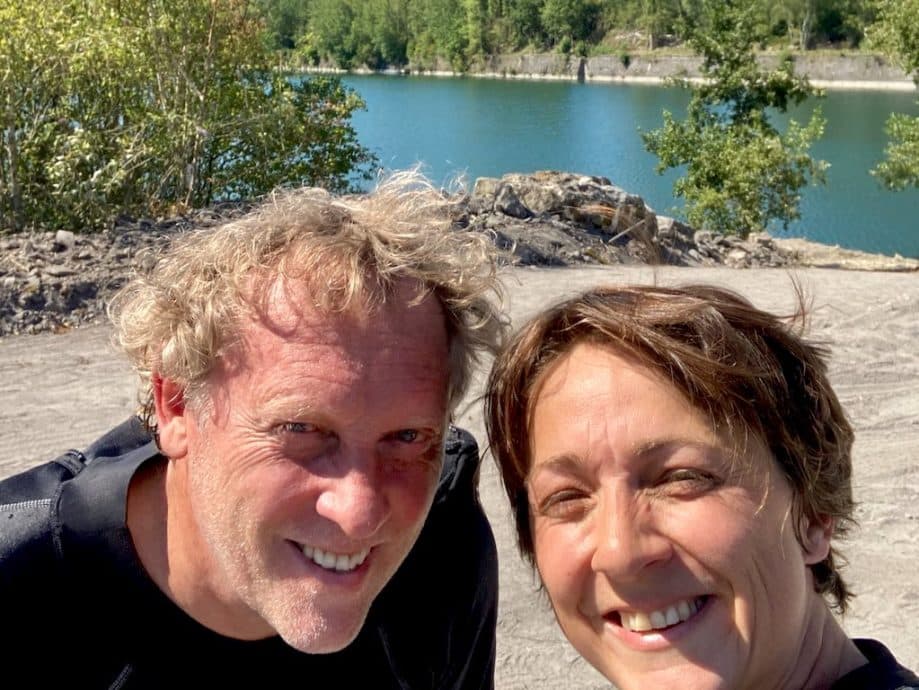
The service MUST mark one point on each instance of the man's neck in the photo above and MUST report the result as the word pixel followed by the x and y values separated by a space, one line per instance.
pixel 175 557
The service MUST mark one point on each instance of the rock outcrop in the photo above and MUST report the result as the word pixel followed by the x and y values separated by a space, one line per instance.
pixel 53 281
pixel 557 219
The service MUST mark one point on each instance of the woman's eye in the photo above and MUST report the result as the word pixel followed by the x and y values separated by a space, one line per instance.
pixel 688 481
pixel 565 503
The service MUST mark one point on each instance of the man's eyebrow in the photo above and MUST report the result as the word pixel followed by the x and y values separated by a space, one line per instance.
pixel 281 407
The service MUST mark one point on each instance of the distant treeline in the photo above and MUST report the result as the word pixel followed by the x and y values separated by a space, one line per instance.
pixel 381 33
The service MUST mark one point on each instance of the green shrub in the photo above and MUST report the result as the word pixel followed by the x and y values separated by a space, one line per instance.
pixel 897 34
pixel 112 107
pixel 739 172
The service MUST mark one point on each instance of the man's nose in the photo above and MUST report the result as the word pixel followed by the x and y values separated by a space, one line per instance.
pixel 356 501
pixel 628 540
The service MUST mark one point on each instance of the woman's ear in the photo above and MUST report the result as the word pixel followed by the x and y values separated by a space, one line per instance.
pixel 817 536
pixel 171 417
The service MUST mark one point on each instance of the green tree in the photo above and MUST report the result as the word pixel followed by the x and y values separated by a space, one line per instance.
pixel 150 106
pixel 351 33
pixel 657 17
pixel 285 21
pixel 331 23
pixel 793 18
pixel 476 22
pixel 438 29
pixel 843 21
pixel 741 172
pixel 897 32
pixel 571 19
pixel 518 25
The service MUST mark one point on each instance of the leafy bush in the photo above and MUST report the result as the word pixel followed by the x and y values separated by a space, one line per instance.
pixel 134 107
pixel 738 177
pixel 740 171
pixel 897 33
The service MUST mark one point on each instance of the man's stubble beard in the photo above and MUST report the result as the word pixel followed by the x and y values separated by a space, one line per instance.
pixel 288 608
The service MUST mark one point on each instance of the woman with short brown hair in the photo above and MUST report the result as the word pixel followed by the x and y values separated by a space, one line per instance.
pixel 678 466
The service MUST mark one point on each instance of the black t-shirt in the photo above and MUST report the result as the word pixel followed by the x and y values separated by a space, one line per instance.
pixel 79 611
pixel 882 672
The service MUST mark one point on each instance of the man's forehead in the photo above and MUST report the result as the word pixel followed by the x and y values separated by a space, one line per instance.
pixel 286 304
pixel 386 332
pixel 288 346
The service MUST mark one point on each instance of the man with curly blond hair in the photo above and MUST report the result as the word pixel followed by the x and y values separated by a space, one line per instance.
pixel 292 505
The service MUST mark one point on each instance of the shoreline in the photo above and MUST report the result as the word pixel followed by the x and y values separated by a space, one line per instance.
pixel 856 72
pixel 827 84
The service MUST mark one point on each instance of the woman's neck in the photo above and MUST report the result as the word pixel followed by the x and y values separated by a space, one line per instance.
pixel 827 653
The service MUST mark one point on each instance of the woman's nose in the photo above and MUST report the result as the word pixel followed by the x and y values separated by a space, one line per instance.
pixel 627 539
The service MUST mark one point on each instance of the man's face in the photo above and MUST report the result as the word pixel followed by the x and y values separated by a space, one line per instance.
pixel 313 467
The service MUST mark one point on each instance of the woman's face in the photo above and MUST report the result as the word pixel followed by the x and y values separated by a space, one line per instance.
pixel 666 566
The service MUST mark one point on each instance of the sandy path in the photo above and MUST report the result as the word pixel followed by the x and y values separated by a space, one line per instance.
pixel 60 391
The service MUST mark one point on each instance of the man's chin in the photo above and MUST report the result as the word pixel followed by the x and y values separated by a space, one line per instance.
pixel 323 636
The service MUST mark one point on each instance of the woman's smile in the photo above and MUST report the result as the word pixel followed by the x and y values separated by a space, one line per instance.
pixel 653 537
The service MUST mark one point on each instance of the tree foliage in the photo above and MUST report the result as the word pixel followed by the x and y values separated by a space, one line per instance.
pixel 284 20
pixel 740 171
pixel 897 32
pixel 379 33
pixel 572 19
pixel 144 106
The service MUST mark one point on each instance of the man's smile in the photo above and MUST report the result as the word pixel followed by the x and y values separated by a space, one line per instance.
pixel 342 562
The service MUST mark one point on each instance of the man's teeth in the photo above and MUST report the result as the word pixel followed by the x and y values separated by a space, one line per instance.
pixel 335 561
pixel 677 613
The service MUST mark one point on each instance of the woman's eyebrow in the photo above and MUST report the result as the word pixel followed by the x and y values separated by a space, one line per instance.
pixel 669 444
pixel 571 462
pixel 714 455
pixel 563 463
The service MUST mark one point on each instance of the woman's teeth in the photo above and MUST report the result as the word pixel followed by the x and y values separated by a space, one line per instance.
pixel 655 620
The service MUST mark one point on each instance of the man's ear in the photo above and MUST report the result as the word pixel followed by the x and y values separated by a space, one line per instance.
pixel 171 418
pixel 817 536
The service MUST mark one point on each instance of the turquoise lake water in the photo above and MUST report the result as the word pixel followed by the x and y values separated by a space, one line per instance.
pixel 485 127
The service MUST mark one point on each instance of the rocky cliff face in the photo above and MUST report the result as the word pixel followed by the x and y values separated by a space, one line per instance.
pixel 51 281
pixel 855 70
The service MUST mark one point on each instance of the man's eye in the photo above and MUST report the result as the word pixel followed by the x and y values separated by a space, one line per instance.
pixel 408 450
pixel 298 427
pixel 407 435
